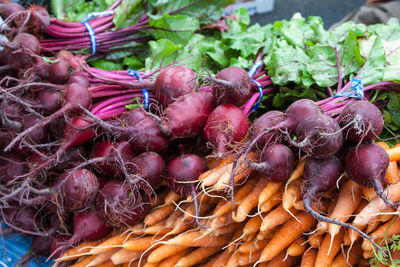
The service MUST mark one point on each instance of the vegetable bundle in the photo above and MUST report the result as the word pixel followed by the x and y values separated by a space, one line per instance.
pixel 192 154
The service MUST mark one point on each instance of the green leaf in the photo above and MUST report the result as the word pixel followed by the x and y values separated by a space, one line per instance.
pixel 125 9
pixel 133 62
pixel 178 29
pixel 286 96
pixel 106 64
pixel 57 7
pixel 375 60
pixel 240 22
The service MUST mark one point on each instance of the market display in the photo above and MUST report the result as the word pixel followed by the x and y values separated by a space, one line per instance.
pixel 167 133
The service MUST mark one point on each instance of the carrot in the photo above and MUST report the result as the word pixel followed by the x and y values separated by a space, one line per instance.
pixel 308 258
pixel 383 145
pixel 137 229
pixel 394 153
pixel 158 214
pixel 81 249
pixel 275 218
pixel 372 226
pixel 197 239
pixel 252 225
pixel 150 264
pixel 212 176
pixel 172 260
pixel 376 206
pixel 348 199
pixel 164 251
pixel 241 194
pixel 386 230
pixel 112 242
pixel 286 235
pixel 323 226
pixel 139 244
pixel 392 173
pixel 84 262
pixel 123 256
pixel 252 246
pixel 197 256
pixel 367 254
pixel 234 259
pixel 222 259
pixel 297 247
pixel 297 172
pixel 171 198
pixel 105 256
pixel 249 202
pixel 369 193
pixel 315 240
pixel 282 260
pixel 108 263
pixel 242 172
pixel 272 202
pixel 220 221
pixel 348 258
pixel 268 191
pixel 329 248
pixel 292 194
pixel 157 229
pixel 298 205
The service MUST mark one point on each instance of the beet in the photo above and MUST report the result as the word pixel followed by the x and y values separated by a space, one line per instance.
pixel 8 9
pixel 182 174
pixel 38 135
pixel 14 166
pixel 40 18
pixel 59 72
pixel 225 126
pixel 174 82
pixel 148 169
pixel 78 189
pixel 110 164
pixel 232 85
pixel 367 164
pixel 361 121
pixel 121 204
pixel 186 117
pixel 50 101
pixel 319 136
pixel 259 126
pixel 76 78
pixel 276 162
pixel 144 133
pixel 27 41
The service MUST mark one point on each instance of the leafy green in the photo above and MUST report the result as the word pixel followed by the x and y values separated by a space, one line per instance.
pixel 76 10
pixel 127 8
pixel 107 64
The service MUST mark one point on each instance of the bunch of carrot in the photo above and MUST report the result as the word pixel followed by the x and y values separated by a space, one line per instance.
pixel 267 225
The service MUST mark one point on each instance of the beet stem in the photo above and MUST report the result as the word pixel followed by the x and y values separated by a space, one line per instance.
pixel 307 206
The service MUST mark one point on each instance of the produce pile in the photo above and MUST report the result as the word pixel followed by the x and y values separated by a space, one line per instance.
pixel 167 133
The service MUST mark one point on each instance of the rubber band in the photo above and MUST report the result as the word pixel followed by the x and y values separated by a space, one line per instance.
pixel 92 34
pixel 251 73
pixel 358 89
pixel 145 93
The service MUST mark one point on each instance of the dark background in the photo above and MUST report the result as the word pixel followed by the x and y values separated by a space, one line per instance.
pixel 331 11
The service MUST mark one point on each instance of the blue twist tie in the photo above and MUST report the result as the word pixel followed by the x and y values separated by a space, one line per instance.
pixel 89 28
pixel 146 95
pixel 251 73
pixel 358 88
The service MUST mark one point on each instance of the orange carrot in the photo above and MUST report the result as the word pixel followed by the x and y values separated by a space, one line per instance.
pixel 329 248
pixel 171 198
pixel 286 235
pixel 348 199
pixel 367 254
pixel 275 218
pixel 197 239
pixel 323 226
pixel 392 173
pixel 268 191
pixel 252 225
pixel 297 173
pixel 394 153
pixel 105 256
pixel 84 262
pixel 123 256
pixel 272 202
pixel 368 193
pixel 249 202
pixel 108 263
pixel 164 251
pixel 242 172
pixel 252 246
pixel 348 258
pixel 383 145
pixel 282 260
pixel 112 242
pixel 387 230
pixel 308 258
pixel 76 252
pixel 221 259
pixel 138 244
pixel 172 260
pixel 297 247
pixel 158 214
pixel 240 195
pixel 197 256
pixel 376 206
pixel 157 229
pixel 315 240
pixel 292 194
pixel 212 176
